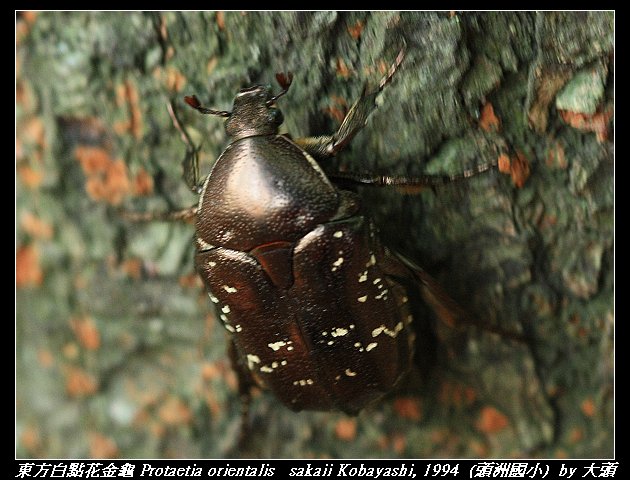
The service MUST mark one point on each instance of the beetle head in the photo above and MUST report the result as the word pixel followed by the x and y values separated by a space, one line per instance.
pixel 254 113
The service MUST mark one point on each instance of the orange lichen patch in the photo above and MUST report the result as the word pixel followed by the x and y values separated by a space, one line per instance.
pixel 457 395
pixel 488 121
pixel 80 383
pixel 491 421
pixel 346 429
pixel 112 186
pixel 86 332
pixel 30 177
pixel 24 95
pixel 23 25
pixel 132 267
pixel 479 449
pixel 174 412
pixel 560 453
pixel 32 131
pixel 556 157
pixel 588 407
pixel 30 439
pixel 29 17
pixel 127 94
pixel 356 29
pixel 342 68
pixel 231 380
pixel 383 67
pixel 504 163
pixel 36 227
pixel 210 371
pixel 28 271
pixel 597 123
pixel 93 160
pixel 102 446
pixel 190 280
pixel 220 18
pixel 399 443
pixel 211 65
pixel 45 358
pixel 338 108
pixel 576 435
pixel 408 407
pixel 171 77
pixel 517 167
pixel 107 179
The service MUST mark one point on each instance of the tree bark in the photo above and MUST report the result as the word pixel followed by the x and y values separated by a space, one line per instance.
pixel 118 351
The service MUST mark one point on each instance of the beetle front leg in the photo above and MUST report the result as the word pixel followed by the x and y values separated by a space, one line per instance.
pixel 191 160
pixel 329 145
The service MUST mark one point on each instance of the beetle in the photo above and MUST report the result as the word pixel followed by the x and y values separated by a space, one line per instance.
pixel 315 307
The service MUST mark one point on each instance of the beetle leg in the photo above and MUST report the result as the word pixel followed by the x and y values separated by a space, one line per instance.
pixel 245 384
pixel 183 215
pixel 446 309
pixel 191 160
pixel 412 184
pixel 329 145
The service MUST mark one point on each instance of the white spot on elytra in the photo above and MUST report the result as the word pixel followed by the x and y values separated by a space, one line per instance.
pixel 371 346
pixel 223 317
pixel 376 280
pixel 363 277
pixel 212 264
pixel 289 348
pixel 338 377
pixel 404 300
pixel 324 333
pixel 229 328
pixel 338 234
pixel 339 332
pixel 266 369
pixel 330 342
pixel 213 298
pixel 277 345
pixel 382 295
pixel 283 362
pixel 336 264
pixel 351 326
pixel 203 244
pixel 371 261
pixel 252 360
pixel 409 319
pixel 350 373
pixel 383 329
pixel 229 289
pixel 304 382
pixel 238 328
pixel 225 309
pixel 362 299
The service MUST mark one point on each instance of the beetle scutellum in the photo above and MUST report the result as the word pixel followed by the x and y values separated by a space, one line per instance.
pixel 314 305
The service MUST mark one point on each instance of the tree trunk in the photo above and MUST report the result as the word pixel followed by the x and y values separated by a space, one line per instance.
pixel 118 349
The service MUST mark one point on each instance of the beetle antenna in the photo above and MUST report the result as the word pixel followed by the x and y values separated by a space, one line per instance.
pixel 285 83
pixel 392 69
pixel 194 102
